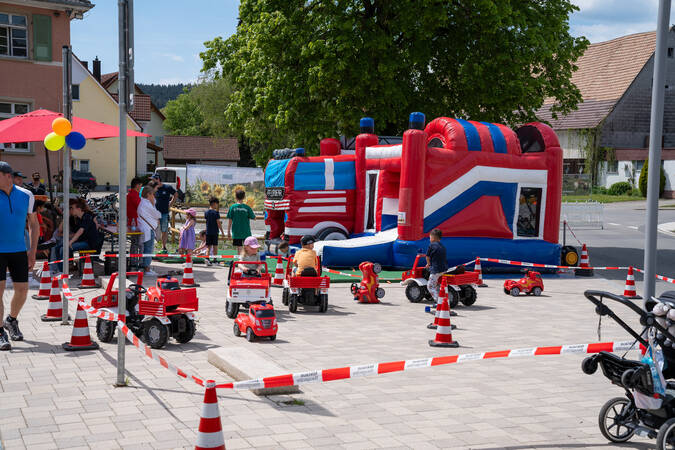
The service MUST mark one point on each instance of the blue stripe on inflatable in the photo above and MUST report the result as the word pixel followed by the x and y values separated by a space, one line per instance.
pixel 389 221
pixel 505 191
pixel 310 176
pixel 472 137
pixel 498 141
pixel 344 173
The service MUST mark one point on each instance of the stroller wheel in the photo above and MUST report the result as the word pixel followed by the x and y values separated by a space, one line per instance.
pixel 617 419
pixel 666 437
pixel 589 365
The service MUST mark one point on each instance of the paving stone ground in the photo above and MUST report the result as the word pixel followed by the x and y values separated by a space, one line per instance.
pixel 53 399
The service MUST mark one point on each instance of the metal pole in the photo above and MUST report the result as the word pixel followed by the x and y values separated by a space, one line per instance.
pixel 67 113
pixel 655 133
pixel 122 222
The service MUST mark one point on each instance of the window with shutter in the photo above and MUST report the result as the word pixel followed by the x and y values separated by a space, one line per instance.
pixel 42 37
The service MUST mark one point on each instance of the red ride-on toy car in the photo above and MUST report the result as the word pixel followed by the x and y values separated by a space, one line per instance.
pixel 308 291
pixel 531 283
pixel 461 286
pixel 247 286
pixel 259 322
pixel 166 311
pixel 369 290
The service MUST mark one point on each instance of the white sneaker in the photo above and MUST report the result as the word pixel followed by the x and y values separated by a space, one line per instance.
pixel 150 273
pixel 33 283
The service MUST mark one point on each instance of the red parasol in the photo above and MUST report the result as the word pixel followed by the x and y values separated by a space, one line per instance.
pixel 35 125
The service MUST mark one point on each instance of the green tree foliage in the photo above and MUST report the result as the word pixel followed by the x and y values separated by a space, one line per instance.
pixel 306 69
pixel 184 117
pixel 642 181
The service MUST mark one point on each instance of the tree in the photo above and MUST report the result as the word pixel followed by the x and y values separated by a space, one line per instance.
pixel 306 69
pixel 644 174
pixel 183 117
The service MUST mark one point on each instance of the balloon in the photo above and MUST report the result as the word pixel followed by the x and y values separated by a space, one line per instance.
pixel 54 142
pixel 75 140
pixel 61 126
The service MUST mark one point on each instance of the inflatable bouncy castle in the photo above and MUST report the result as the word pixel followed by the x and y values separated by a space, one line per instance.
pixel 493 192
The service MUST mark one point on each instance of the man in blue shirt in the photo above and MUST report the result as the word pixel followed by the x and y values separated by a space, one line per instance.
pixel 16 209
pixel 165 196
pixel 437 262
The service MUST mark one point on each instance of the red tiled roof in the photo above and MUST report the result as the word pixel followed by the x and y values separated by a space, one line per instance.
pixel 142 107
pixel 108 78
pixel 201 148
pixel 606 70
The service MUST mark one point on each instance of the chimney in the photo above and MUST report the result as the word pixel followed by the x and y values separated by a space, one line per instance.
pixel 85 64
pixel 96 63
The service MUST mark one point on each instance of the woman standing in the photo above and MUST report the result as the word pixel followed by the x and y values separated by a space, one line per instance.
pixel 148 219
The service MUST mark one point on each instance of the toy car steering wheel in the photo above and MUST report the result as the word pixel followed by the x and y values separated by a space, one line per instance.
pixel 252 273
pixel 137 288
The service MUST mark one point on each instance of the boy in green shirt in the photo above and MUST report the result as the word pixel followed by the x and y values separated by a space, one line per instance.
pixel 240 215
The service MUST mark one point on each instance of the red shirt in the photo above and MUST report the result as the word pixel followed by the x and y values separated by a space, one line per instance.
pixel 133 200
pixel 41 222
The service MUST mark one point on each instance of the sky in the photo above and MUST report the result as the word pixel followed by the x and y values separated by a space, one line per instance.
pixel 170 34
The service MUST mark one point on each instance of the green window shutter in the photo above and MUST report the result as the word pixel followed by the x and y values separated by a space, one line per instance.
pixel 42 37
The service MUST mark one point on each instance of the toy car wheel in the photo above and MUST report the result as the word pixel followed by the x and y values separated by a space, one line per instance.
pixel 231 309
pixel 284 296
pixel 453 298
pixel 293 303
pixel 186 336
pixel 105 330
pixel 468 295
pixel 414 293
pixel 323 303
pixel 514 291
pixel 569 256
pixel 273 337
pixel 379 292
pixel 155 333
pixel 354 288
pixel 237 331
pixel 377 268
pixel 249 335
pixel 589 365
pixel 615 419
pixel 536 291
pixel 666 437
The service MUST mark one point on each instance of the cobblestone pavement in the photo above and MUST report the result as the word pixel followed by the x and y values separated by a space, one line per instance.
pixel 53 399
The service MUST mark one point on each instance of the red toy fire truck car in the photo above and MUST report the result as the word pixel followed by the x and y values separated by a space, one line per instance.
pixel 461 287
pixel 166 311
pixel 308 291
pixel 259 322
pixel 246 286
pixel 531 283
pixel 368 290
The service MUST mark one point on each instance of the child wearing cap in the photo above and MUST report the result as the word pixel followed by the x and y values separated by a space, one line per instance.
pixel 187 233
pixel 305 260
pixel 250 253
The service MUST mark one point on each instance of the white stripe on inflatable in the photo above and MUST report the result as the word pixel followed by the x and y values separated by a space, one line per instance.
pixel 328 173
pixel 382 152
pixel 481 173
pixel 326 209
pixel 325 192
pixel 326 200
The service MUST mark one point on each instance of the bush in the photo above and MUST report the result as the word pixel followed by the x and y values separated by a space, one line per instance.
pixel 620 188
pixel 599 190
pixel 642 181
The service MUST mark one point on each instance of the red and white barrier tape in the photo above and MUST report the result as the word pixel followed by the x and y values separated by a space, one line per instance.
pixel 65 289
pixel 659 277
pixel 337 272
pixel 546 266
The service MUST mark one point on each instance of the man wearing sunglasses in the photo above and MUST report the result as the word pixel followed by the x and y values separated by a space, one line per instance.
pixel 37 187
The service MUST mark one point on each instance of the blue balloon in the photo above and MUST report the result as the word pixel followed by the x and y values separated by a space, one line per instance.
pixel 75 140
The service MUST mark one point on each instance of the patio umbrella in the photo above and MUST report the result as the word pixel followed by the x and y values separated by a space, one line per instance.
pixel 35 125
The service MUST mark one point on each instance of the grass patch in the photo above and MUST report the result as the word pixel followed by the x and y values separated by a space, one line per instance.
pixel 602 198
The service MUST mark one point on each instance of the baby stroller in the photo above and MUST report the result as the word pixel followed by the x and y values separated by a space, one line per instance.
pixel 643 410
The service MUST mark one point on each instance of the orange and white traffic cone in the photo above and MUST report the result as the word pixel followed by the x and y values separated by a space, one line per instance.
pixel 188 278
pixel 442 294
pixel 45 284
pixel 629 291
pixel 477 268
pixel 444 330
pixel 54 309
pixel 80 340
pixel 279 272
pixel 584 269
pixel 210 434
pixel 88 279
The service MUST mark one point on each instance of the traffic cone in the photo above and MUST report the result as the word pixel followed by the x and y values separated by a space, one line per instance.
pixel 442 294
pixel 45 284
pixel 584 269
pixel 478 269
pixel 279 272
pixel 210 434
pixel 444 330
pixel 88 280
pixel 188 279
pixel 629 291
pixel 54 309
pixel 80 340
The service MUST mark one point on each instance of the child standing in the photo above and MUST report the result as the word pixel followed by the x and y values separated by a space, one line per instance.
pixel 240 215
pixel 187 233
pixel 437 262
pixel 213 224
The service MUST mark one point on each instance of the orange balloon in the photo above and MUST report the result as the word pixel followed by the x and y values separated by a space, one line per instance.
pixel 61 126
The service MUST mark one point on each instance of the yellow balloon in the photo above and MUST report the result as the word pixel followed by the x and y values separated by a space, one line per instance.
pixel 61 126
pixel 54 142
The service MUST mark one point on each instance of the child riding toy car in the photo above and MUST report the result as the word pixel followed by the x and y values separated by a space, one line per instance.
pixel 531 283
pixel 305 290
pixel 368 290
pixel 166 311
pixel 247 285
pixel 461 284
pixel 259 322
